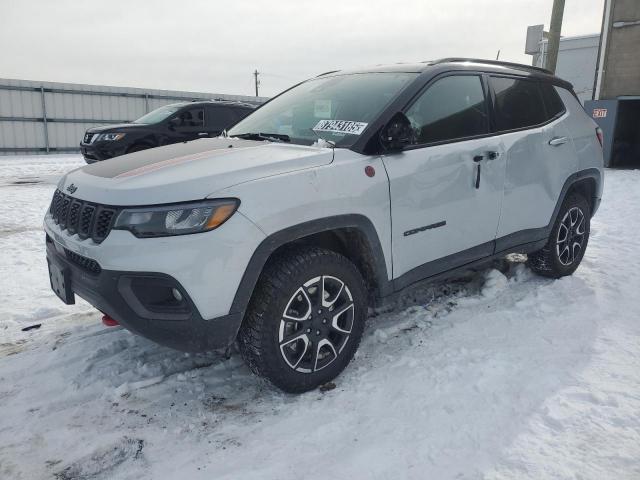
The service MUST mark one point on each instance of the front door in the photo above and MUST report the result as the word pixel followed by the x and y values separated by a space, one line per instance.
pixel 446 189
pixel 189 124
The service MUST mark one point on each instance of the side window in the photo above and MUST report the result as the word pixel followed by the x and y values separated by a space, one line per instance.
pixel 240 113
pixel 453 107
pixel 518 103
pixel 191 118
pixel 552 102
pixel 219 118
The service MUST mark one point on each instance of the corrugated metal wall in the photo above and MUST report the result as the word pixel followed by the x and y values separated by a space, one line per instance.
pixel 48 117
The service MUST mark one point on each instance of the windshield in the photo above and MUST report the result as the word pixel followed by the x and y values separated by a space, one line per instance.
pixel 336 108
pixel 158 114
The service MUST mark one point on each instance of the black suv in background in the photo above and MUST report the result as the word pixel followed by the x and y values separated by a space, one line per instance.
pixel 178 122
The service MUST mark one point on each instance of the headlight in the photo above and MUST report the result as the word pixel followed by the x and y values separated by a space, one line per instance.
pixel 176 219
pixel 111 137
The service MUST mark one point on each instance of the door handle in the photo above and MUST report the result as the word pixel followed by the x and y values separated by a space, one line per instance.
pixel 556 141
pixel 477 159
pixel 486 156
pixel 203 134
pixel 491 155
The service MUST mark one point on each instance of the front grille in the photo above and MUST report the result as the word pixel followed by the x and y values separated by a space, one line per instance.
pixel 88 220
pixel 87 137
pixel 103 222
pixel 85 263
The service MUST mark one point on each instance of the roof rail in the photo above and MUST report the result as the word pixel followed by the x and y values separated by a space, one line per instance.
pixel 500 63
pixel 226 101
pixel 327 73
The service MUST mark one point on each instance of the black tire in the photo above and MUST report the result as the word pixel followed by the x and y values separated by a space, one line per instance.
pixel 557 258
pixel 284 290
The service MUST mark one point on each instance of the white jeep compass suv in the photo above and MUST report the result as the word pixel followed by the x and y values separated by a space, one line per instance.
pixel 326 200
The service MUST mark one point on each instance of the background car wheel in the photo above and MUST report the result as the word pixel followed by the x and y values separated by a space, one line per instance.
pixel 305 319
pixel 567 242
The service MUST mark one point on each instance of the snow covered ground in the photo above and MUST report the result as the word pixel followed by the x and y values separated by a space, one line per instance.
pixel 500 374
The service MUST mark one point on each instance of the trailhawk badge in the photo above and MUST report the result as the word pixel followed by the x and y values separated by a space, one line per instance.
pixel 340 126
pixel 72 189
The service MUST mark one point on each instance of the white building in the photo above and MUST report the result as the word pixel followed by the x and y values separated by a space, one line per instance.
pixel 577 61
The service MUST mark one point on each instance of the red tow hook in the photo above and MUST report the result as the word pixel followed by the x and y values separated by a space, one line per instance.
pixel 108 321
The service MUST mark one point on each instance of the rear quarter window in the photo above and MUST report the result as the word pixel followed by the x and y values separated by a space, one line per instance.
pixel 518 103
pixel 552 102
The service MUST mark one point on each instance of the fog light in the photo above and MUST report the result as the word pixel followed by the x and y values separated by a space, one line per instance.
pixel 176 294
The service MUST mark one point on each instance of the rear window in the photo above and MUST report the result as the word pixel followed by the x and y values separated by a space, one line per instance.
pixel 518 103
pixel 552 102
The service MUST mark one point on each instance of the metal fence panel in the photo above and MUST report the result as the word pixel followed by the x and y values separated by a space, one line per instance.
pixel 48 117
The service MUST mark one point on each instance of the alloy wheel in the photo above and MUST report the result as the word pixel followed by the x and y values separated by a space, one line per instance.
pixel 316 324
pixel 571 236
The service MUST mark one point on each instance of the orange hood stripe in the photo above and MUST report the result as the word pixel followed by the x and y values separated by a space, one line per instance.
pixel 176 161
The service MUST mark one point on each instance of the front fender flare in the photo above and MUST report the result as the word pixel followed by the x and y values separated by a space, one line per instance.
pixel 297 232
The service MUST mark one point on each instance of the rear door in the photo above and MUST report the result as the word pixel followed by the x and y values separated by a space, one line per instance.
pixel 540 156
pixel 446 189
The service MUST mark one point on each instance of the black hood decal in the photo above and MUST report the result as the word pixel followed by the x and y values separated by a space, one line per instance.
pixel 153 158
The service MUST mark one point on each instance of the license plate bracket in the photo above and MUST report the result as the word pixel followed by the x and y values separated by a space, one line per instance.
pixel 60 279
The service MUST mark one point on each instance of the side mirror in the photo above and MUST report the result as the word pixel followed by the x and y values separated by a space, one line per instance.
pixel 397 133
pixel 174 122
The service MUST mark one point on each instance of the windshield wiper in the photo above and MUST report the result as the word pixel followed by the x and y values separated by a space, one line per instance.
pixel 272 137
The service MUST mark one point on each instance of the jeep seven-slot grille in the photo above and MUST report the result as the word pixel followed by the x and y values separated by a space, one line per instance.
pixel 88 220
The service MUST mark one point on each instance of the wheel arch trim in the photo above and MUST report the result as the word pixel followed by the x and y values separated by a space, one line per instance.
pixel 572 181
pixel 293 233
pixel 515 239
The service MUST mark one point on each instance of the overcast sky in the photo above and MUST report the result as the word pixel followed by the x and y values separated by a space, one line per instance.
pixel 214 46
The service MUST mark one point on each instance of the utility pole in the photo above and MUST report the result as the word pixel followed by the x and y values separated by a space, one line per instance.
pixel 602 49
pixel 255 74
pixel 554 35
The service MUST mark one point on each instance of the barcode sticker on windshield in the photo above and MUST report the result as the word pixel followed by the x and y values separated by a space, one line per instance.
pixel 340 126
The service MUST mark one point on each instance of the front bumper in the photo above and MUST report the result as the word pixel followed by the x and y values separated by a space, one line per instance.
pixel 134 299
pixel 98 151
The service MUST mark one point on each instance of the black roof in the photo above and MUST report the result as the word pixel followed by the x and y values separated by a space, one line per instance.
pixel 497 63
pixel 459 63
pixel 217 101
